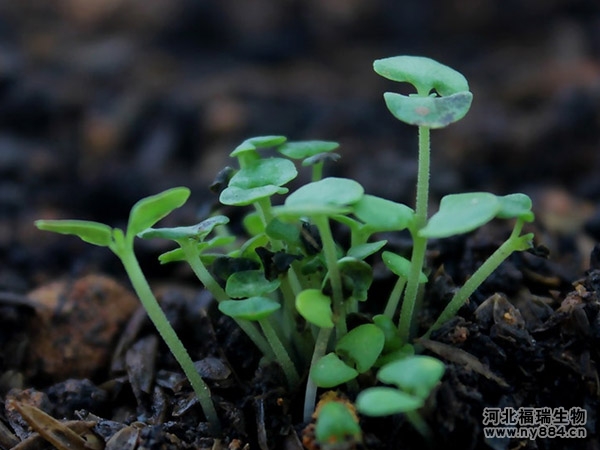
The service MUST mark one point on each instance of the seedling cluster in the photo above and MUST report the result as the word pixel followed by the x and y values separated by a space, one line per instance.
pixel 290 286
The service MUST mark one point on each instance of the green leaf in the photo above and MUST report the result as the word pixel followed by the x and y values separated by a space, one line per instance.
pixel 416 375
pixel 249 283
pixel 461 213
pixel 362 346
pixel 281 231
pixel 315 307
pixel 146 212
pixel 383 215
pixel 234 195
pixel 197 232
pixel 331 371
pixel 383 401
pixel 432 112
pixel 90 232
pixel 400 266
pixel 257 142
pixel 362 251
pixel 264 172
pixel 328 196
pixel 253 308
pixel 516 206
pixel 253 224
pixel 178 255
pixel 305 149
pixel 425 74
pixel 336 424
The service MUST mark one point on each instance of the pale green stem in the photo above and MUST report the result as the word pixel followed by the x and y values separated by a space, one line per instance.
pixel 265 211
pixel 283 358
pixel 166 331
pixel 310 395
pixel 419 243
pixel 512 244
pixel 394 298
pixel 330 253
pixel 193 259
pixel 317 171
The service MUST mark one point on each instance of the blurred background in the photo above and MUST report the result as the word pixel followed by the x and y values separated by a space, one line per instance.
pixel 103 102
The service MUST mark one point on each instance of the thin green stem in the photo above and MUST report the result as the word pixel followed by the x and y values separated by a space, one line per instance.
pixel 394 298
pixel 192 256
pixel 419 243
pixel 283 358
pixel 317 171
pixel 310 395
pixel 166 331
pixel 514 243
pixel 330 253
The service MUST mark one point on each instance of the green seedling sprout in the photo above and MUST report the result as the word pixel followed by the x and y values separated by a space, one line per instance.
pixel 336 425
pixel 290 286
pixel 144 214
pixel 414 378
pixel 442 97
pixel 461 213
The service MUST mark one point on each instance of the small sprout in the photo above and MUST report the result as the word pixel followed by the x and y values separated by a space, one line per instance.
pixel 383 401
pixel 336 425
pixel 331 371
pixel 253 308
pixel 391 340
pixel 320 158
pixel 91 232
pixel 361 346
pixel 150 210
pixel 195 232
pixel 315 307
pixel 515 206
pixel 249 283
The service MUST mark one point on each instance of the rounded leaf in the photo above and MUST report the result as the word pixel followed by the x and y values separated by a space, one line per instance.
pixel 357 277
pixel 424 73
pixel 383 215
pixel 146 212
pixel 237 196
pixel 416 374
pixel 362 346
pixel 257 142
pixel 432 112
pixel 315 307
pixel 400 266
pixel 264 172
pixel 331 371
pixel 515 206
pixel 336 424
pixel 305 149
pixel 328 196
pixel 461 213
pixel 90 232
pixel 253 308
pixel 383 401
pixel 248 283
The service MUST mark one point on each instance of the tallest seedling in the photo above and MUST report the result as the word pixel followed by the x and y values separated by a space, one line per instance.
pixel 442 98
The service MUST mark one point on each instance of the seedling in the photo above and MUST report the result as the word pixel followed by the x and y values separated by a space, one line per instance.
pixel 290 285
pixel 144 214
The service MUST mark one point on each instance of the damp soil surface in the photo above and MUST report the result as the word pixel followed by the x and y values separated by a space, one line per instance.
pixel 103 103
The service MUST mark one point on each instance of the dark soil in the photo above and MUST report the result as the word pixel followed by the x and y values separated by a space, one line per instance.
pixel 102 103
